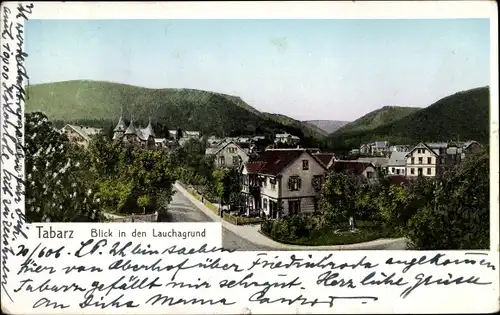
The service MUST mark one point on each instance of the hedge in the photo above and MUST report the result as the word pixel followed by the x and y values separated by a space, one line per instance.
pixel 237 220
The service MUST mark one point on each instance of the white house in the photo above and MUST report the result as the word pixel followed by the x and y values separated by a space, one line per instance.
pixel 425 159
pixel 287 138
pixel 228 154
pixel 379 147
pixel 397 163
pixel 283 182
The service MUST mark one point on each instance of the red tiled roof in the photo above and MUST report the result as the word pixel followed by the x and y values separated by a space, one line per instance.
pixel 272 162
pixel 254 167
pixel 325 158
pixel 399 180
pixel 356 167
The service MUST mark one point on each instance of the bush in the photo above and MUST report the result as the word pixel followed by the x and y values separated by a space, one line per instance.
pixel 60 186
pixel 308 231
pixel 458 216
pixel 237 220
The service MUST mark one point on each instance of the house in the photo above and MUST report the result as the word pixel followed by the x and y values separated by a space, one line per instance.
pixel 365 169
pixel 354 152
pixel 380 163
pixel 326 158
pixel 379 147
pixel 80 134
pixel 399 148
pixel 283 182
pixel 397 163
pixel 425 159
pixel 286 138
pixel 228 154
pixel 142 137
pixel 179 134
pixel 365 149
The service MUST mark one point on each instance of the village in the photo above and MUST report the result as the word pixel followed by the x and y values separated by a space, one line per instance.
pixel 280 178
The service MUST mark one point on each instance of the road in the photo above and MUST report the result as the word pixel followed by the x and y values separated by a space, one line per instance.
pixel 183 210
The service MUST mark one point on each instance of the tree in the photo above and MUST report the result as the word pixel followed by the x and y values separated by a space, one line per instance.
pixel 458 216
pixel 60 185
pixel 143 202
pixel 339 195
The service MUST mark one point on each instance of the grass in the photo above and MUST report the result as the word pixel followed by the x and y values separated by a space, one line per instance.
pixel 207 203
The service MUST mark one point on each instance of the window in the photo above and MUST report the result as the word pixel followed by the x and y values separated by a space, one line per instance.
pixel 317 182
pixel 429 160
pixel 429 171
pixel 412 171
pixel 222 160
pixel 418 151
pixel 412 160
pixel 369 174
pixel 293 207
pixel 397 171
pixel 273 186
pixel 420 160
pixel 264 181
pixel 265 204
pixel 294 183
pixel 305 165
pixel 393 170
pixel 236 160
pixel 231 150
pixel 420 171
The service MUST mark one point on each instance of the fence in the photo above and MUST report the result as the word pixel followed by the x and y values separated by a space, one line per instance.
pixel 153 217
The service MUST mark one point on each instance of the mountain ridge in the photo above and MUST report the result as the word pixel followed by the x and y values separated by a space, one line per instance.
pixel 463 115
pixel 211 112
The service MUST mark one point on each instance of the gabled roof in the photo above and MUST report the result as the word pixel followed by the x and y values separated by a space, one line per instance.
pixel 225 144
pixel 84 132
pixel 273 162
pixel 422 145
pixel 377 161
pixel 397 158
pixel 356 167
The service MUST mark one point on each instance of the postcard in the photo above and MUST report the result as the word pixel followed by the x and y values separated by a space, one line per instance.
pixel 249 158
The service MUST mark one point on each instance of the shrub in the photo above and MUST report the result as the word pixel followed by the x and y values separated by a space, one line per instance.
pixel 458 216
pixel 59 184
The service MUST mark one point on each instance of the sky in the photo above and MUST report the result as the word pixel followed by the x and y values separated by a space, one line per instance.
pixel 307 69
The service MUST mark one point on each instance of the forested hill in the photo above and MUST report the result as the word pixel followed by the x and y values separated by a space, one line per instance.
pixel 461 116
pixel 98 103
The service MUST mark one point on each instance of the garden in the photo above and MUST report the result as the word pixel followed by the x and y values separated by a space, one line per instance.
pixel 447 212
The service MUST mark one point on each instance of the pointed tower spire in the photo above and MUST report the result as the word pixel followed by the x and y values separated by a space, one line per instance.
pixel 120 127
pixel 131 128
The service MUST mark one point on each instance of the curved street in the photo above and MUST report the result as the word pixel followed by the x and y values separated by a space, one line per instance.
pixel 181 209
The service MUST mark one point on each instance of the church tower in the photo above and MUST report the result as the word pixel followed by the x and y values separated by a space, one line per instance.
pixel 119 130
